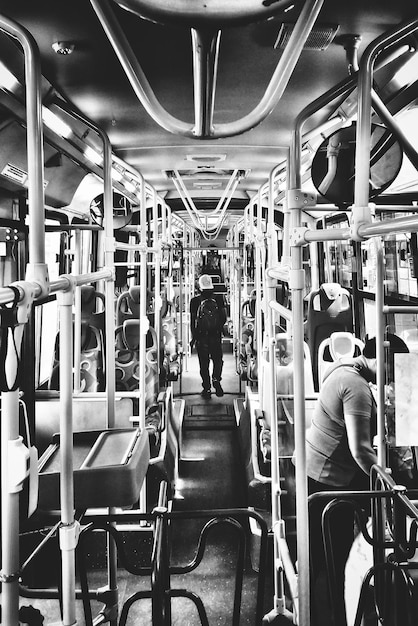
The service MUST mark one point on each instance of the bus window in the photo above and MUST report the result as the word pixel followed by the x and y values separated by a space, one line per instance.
pixel 338 254
pixel 406 180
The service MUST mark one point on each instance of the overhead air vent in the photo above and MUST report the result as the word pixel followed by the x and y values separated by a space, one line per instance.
pixel 206 173
pixel 15 173
pixel 207 185
pixel 319 38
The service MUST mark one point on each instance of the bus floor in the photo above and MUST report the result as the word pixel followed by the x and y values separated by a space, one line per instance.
pixel 210 477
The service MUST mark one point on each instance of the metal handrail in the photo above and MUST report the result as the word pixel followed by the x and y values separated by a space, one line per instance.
pixel 234 516
pixel 36 268
pixel 160 568
pixel 382 488
pixel 203 127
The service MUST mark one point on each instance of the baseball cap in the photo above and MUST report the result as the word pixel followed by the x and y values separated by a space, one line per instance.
pixel 205 282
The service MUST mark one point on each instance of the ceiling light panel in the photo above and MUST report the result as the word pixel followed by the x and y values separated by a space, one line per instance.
pixel 205 158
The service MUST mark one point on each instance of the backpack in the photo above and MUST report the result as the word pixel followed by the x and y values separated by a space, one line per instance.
pixel 208 317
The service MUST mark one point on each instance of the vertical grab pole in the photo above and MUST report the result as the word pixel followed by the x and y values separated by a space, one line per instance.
pixel 258 277
pixel 380 354
pixel 110 328
pixel 9 512
pixel 297 283
pixel 179 318
pixel 109 285
pixel 143 319
pixel 279 599
pixel 190 276
pixel 37 272
pixel 184 279
pixel 236 285
pixel 163 246
pixel 157 277
pixel 272 251
pixel 144 322
pixel 14 459
pixel 169 242
pixel 275 470
pixel 109 259
pixel 69 529
pixel 77 311
pixel 164 222
pixel 285 260
pixel 248 217
pixel 238 300
pixel 271 238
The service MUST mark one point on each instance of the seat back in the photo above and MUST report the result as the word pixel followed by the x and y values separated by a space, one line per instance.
pixel 127 305
pixel 246 353
pixel 92 376
pixel 329 310
pixel 170 355
pixel 89 313
pixel 127 361
pixel 339 346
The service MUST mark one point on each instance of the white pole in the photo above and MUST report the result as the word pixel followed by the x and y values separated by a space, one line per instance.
pixel 69 529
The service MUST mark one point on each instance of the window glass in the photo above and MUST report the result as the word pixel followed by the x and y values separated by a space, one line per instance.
pixel 407 179
pixel 400 264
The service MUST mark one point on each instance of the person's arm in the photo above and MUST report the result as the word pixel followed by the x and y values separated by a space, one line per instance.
pixel 359 440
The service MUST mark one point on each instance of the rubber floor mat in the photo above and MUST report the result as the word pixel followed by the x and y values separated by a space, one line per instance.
pixel 209 409
pixel 209 416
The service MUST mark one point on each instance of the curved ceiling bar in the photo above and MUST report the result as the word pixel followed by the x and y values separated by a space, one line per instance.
pixel 195 12
pixel 281 76
pixel 35 153
pixel 134 72
pixel 206 67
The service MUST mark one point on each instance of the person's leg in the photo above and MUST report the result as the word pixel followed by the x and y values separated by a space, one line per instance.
pixel 217 359
pixel 204 355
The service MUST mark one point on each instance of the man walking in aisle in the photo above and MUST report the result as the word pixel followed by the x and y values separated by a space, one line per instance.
pixel 207 319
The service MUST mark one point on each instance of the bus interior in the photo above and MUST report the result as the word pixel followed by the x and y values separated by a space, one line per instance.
pixel 272 145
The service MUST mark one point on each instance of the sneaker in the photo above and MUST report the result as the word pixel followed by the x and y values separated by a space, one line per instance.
pixel 218 389
pixel 206 393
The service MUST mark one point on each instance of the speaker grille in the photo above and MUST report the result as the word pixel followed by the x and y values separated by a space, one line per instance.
pixel 319 38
